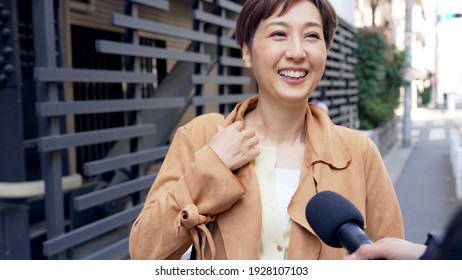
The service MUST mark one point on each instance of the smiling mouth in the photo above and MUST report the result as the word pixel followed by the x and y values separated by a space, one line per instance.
pixel 292 74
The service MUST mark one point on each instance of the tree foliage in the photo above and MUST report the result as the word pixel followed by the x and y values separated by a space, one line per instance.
pixel 380 75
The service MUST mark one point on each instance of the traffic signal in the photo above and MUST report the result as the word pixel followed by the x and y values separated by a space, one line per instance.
pixel 453 16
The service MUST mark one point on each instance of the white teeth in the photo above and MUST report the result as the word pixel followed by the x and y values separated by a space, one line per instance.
pixel 292 74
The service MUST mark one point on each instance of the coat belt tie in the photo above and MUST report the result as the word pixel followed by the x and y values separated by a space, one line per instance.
pixel 190 218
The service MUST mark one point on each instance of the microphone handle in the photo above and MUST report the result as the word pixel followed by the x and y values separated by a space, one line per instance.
pixel 351 236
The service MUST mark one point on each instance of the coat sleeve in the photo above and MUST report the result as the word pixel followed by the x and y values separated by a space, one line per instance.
pixel 191 175
pixel 383 213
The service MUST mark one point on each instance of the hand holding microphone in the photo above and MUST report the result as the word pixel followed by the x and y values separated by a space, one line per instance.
pixel 389 248
pixel 339 224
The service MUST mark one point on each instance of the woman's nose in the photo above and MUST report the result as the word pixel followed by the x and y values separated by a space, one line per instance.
pixel 295 50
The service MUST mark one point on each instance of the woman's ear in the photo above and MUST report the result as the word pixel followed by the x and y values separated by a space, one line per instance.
pixel 246 57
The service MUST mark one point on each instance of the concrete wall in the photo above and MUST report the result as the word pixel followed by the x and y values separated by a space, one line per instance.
pixel 384 137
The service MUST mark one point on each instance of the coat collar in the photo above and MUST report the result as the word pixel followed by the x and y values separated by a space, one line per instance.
pixel 322 141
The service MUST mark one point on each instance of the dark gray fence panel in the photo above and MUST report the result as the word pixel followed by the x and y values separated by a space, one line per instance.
pixel 231 61
pixel 157 4
pixel 51 164
pixel 228 42
pixel 46 74
pixel 102 196
pixel 104 165
pixel 50 109
pixel 214 19
pixel 222 99
pixel 338 88
pixel 230 6
pixel 59 142
pixel 143 51
pixel 116 250
pixel 162 28
pixel 220 80
pixel 85 233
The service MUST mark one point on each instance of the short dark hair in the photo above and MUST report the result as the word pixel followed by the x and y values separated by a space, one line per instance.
pixel 254 11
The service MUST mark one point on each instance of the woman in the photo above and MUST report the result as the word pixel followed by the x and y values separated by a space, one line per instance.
pixel 237 188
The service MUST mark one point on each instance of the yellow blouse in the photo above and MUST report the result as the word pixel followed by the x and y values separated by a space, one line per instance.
pixel 275 238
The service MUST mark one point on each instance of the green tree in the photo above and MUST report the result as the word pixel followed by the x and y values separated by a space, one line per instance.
pixel 380 75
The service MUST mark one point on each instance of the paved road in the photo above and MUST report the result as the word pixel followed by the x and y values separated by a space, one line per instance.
pixel 422 174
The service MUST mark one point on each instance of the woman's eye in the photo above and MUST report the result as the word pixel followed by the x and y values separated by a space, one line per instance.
pixel 313 35
pixel 278 34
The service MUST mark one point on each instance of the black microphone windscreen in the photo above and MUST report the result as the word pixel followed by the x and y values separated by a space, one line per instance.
pixel 327 211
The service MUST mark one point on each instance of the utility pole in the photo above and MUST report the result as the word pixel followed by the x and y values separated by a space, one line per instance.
pixel 393 21
pixel 407 125
pixel 435 72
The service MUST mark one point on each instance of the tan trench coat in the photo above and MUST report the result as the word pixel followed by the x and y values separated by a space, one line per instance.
pixel 193 179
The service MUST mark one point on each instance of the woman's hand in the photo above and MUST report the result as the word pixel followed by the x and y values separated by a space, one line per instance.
pixel 234 145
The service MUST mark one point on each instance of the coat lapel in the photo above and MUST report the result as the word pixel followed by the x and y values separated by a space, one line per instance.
pixel 324 150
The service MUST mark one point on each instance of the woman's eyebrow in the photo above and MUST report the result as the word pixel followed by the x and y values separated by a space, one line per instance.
pixel 284 24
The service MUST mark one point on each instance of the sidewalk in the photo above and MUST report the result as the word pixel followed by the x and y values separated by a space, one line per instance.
pixel 422 174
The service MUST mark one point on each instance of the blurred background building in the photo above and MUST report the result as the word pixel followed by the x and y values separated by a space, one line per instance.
pixel 435 47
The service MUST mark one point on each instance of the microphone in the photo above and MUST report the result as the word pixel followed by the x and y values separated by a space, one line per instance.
pixel 336 221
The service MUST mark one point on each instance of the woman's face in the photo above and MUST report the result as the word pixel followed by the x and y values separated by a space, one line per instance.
pixel 288 53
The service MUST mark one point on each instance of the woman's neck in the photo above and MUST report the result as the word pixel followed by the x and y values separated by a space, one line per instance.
pixel 277 126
